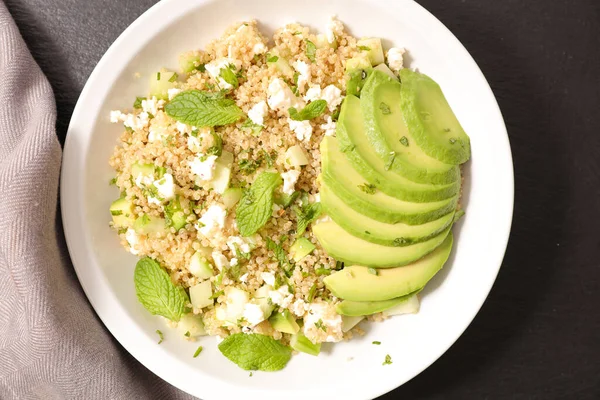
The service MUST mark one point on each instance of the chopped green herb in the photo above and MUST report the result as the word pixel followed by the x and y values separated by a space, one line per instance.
pixel 372 271
pixel 385 109
pixel 122 230
pixel 158 76
pixel 311 293
pixel 250 375
pixel 306 215
pixel 198 351
pixel 400 241
pixel 322 271
pixel 390 160
pixel 311 50
pixel 297 33
pixel 113 182
pixel 272 58
pixel 216 295
pixel 228 74
pixel 364 48
pixel 217 148
pixel 346 147
pixel 388 360
pixel 116 212
pixel 256 206
pixel 254 128
pixel 198 108
pixel 269 157
pixel 368 188
pixel 339 265
pixel 452 140
pixel 173 77
pixel 404 141
pixel 367 232
pixel 248 167
pixel 138 102
pixel 281 257
pixel 313 110
pixel 336 114
pixel 255 352
pixel 187 334
pixel 129 129
pixel 319 324
pixel 377 342
pixel 160 336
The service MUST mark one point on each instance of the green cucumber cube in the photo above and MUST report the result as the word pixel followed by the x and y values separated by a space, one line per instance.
pixel 200 267
pixel 299 342
pixel 200 295
pixel 301 248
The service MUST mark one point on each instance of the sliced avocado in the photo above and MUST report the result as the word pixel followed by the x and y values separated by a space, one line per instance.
pixel 350 322
pixel 430 119
pixel 301 248
pixel 352 137
pixel 386 70
pixel 122 213
pixel 284 322
pixel 356 283
pixel 201 295
pixel 358 70
pixel 379 232
pixel 348 185
pixel 299 342
pixel 146 224
pixel 373 49
pixel 410 306
pixel 391 139
pixel 342 246
pixel 357 308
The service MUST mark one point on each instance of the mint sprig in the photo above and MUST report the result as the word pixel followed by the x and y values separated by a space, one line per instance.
pixel 157 293
pixel 229 76
pixel 281 257
pixel 255 352
pixel 313 110
pixel 197 108
pixel 306 215
pixel 256 206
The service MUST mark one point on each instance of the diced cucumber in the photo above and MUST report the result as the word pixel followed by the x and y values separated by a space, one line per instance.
pixel 200 267
pixel 231 197
pixel 222 173
pixel 295 156
pixel 261 298
pixel 322 43
pixel 146 224
pixel 200 295
pixel 350 322
pixel 122 213
pixel 360 62
pixel 282 64
pixel 373 49
pixel 191 326
pixel 233 308
pixel 179 220
pixel 410 306
pixel 299 342
pixel 386 70
pixel 142 169
pixel 206 252
pixel 190 61
pixel 174 214
pixel 301 248
pixel 284 322
pixel 160 83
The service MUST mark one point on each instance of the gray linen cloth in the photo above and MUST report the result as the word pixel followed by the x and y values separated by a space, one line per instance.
pixel 52 345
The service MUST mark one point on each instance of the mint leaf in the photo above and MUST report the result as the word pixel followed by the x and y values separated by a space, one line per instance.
pixel 311 50
pixel 256 206
pixel 364 48
pixel 313 110
pixel 272 58
pixel 157 293
pixel 255 352
pixel 306 215
pixel 229 76
pixel 281 257
pixel 197 108
pixel 253 127
pixel 217 148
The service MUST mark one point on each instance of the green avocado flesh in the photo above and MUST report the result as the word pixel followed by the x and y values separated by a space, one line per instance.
pixel 430 119
pixel 379 232
pixel 348 185
pixel 356 283
pixel 358 308
pixel 352 137
pixel 342 246
pixel 390 137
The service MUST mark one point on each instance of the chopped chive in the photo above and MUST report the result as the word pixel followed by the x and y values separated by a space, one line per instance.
pixel 368 188
pixel 198 351
pixel 404 141
pixel 158 76
pixel 385 109
pixel 322 271
pixel 113 182
pixel 187 334
pixel 372 271
pixel 160 335
pixel 388 360
pixel 377 342
pixel 173 77
pixel 319 324
pixel 116 212
pixel 311 293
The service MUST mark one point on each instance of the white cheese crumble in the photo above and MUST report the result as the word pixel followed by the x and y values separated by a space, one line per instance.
pixel 289 181
pixel 166 187
pixel 258 112
pixel 212 220
pixel 395 58
pixel 304 71
pixel 183 128
pixel 268 278
pixel 259 48
pixel 329 127
pixel 333 96
pixel 214 70
pixel 152 105
pixel 143 180
pixel 236 242
pixel 204 169
pixel 133 239
pixel 137 123
pixel 254 314
pixel 243 278
pixel 116 116
pixel 220 260
pixel 172 93
pixel 313 93
pixel 299 308
pixel 281 296
pixel 302 129
pixel 333 29
pixel 156 133
pixel 233 262
pixel 322 323
pixel 280 96
pixel 193 144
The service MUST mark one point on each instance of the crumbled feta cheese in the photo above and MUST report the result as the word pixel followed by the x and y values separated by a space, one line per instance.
pixel 322 323
pixel 329 126
pixel 214 69
pixel 313 93
pixel 193 144
pixel 253 314
pixel 258 112
pixel 299 307
pixel 333 96
pixel 302 129
pixel 268 278
pixel 220 260
pixel 166 187
pixel 136 122
pixel 212 220
pixel 204 169
pixel 281 296
pixel 280 96
pixel 143 180
pixel 156 133
pixel 259 48
pixel 154 200
pixel 233 262
pixel 243 278
pixel 334 28
pixel 183 128
pixel 304 71
pixel 395 58
pixel 116 116
pixel 236 242
pixel 289 181
pixel 133 239
pixel 152 105
pixel 317 197
pixel 172 93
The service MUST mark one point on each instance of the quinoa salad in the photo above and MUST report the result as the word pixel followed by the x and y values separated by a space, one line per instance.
pixel 281 191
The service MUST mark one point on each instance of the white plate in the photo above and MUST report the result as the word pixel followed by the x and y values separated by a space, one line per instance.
pixel 351 370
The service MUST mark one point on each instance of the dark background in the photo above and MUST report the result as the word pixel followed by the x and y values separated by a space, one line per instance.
pixel 538 334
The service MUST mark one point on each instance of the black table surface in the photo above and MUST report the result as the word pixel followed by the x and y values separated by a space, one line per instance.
pixel 538 334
